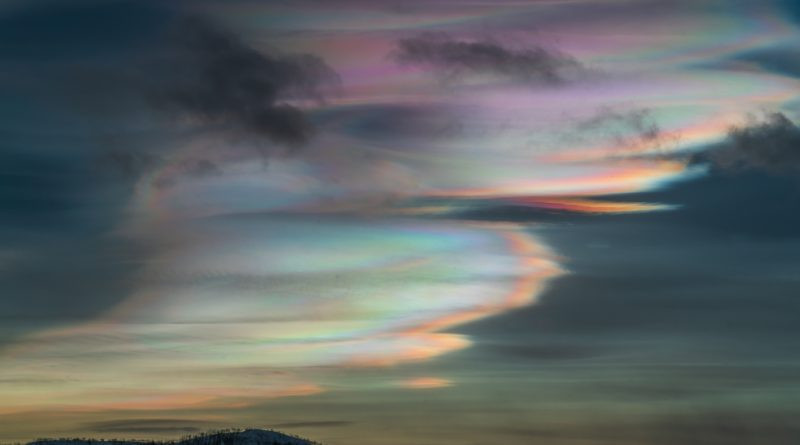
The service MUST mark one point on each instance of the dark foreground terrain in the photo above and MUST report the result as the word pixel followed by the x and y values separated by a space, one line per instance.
pixel 232 437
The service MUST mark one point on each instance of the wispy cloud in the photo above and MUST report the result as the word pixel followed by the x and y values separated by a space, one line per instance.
pixel 535 65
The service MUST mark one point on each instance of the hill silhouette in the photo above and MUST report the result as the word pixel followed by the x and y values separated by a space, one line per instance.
pixel 225 437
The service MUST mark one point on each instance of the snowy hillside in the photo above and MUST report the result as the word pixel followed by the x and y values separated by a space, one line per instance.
pixel 244 437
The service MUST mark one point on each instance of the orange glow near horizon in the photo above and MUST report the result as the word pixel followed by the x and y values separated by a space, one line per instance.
pixel 426 383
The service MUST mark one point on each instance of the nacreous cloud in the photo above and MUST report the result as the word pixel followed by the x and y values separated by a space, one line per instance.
pixel 534 65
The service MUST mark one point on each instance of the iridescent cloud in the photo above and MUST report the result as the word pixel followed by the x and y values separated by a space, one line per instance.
pixel 273 271
pixel 282 296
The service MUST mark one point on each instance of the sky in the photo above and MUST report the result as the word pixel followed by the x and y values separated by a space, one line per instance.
pixel 461 222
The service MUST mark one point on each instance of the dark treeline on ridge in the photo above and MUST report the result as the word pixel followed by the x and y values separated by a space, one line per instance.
pixel 218 437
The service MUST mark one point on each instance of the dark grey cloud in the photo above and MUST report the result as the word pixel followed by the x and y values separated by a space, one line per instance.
pixel 216 77
pixel 95 93
pixel 120 66
pixel 148 426
pixel 88 87
pixel 770 143
pixel 535 65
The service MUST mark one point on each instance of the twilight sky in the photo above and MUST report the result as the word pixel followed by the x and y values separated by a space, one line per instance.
pixel 461 222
